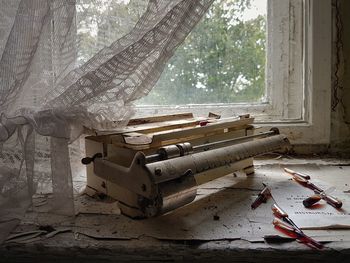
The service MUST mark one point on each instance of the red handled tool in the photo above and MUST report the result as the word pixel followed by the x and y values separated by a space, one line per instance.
pixel 303 179
pixel 262 197
pixel 283 222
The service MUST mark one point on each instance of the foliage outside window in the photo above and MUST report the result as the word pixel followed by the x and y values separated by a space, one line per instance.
pixel 221 61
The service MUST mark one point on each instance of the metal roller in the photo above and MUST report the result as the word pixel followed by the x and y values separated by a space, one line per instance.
pixel 199 162
pixel 172 194
pixel 182 149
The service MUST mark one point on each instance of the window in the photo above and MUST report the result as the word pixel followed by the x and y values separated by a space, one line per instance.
pixel 244 56
pixel 296 95
pixel 270 58
pixel 100 22
pixel 221 61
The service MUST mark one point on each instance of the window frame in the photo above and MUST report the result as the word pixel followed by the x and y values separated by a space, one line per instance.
pixel 316 126
pixel 299 98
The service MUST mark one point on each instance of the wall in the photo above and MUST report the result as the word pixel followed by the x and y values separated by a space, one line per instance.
pixel 340 118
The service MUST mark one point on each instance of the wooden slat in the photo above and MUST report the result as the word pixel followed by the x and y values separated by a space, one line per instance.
pixel 218 134
pixel 184 133
pixel 195 140
pixel 151 135
pixel 161 118
pixel 199 138
pixel 161 126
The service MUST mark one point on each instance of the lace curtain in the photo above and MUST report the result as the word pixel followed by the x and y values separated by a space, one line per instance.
pixel 48 98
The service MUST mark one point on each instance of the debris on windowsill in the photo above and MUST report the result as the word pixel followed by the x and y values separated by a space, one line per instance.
pixel 58 231
pixel 47 228
pixel 98 236
pixel 90 202
pixel 216 217
pixel 24 237
pixel 42 232
pixel 273 239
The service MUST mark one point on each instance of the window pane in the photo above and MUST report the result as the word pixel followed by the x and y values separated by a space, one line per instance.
pixel 101 22
pixel 221 61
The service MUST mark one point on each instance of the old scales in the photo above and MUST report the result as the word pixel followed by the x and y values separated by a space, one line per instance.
pixel 154 165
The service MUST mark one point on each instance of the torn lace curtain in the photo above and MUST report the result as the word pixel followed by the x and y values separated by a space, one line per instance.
pixel 49 96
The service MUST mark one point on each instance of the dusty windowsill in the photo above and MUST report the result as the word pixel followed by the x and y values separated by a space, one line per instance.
pixel 219 225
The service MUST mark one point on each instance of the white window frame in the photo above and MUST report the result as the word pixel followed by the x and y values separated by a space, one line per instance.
pixel 299 98
pixel 315 128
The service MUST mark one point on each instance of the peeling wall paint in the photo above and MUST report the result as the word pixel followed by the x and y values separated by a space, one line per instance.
pixel 340 118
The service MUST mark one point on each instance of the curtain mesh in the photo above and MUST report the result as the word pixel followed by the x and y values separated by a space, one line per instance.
pixel 50 90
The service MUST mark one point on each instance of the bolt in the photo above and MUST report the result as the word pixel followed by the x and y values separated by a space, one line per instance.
pixel 158 171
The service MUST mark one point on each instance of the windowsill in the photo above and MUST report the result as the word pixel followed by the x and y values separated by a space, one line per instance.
pixel 94 237
pixel 263 112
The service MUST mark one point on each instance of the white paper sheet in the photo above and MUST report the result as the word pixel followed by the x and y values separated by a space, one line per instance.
pixel 289 195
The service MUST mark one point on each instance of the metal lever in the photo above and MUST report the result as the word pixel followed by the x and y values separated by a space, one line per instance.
pixel 88 160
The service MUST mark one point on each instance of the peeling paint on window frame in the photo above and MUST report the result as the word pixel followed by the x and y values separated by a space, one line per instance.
pixel 299 94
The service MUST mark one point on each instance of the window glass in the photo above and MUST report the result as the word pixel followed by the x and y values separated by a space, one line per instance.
pixel 101 22
pixel 221 61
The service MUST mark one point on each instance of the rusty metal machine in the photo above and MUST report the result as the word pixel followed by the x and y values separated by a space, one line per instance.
pixel 154 165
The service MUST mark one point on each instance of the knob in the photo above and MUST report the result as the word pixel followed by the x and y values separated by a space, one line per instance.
pixel 88 160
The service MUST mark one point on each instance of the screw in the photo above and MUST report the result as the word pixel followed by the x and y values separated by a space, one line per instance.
pixel 158 171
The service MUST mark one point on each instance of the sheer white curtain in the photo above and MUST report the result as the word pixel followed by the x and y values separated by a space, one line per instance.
pixel 47 99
